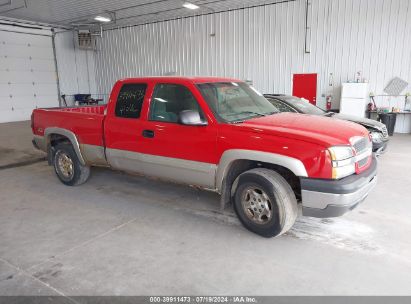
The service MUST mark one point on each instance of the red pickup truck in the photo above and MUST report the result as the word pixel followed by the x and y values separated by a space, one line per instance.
pixel 219 134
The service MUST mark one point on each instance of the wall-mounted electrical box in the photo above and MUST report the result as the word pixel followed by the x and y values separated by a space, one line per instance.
pixel 85 40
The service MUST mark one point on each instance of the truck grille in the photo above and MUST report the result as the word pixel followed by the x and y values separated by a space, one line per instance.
pixel 361 145
pixel 363 162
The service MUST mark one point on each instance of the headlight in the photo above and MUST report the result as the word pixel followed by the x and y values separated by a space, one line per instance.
pixel 341 153
pixel 343 161
pixel 376 137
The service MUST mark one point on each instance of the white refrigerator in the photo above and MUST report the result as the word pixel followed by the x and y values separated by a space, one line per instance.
pixel 354 99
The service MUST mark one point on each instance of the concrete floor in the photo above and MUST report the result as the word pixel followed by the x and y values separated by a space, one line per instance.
pixel 126 235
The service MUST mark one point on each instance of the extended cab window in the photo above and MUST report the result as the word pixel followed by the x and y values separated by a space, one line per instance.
pixel 130 100
pixel 169 100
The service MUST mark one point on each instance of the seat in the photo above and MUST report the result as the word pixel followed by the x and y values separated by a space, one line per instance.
pixel 160 113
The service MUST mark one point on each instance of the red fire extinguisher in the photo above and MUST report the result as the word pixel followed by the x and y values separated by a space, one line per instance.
pixel 329 99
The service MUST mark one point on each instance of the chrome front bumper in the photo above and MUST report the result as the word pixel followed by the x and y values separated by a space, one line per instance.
pixel 333 198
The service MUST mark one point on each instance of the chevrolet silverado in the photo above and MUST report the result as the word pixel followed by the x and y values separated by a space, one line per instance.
pixel 218 134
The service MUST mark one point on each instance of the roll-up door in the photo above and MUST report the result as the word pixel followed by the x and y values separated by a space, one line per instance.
pixel 28 78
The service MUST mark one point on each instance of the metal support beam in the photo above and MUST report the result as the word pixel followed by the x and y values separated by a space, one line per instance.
pixel 14 8
pixel 307 43
pixel 56 66
pixel 9 3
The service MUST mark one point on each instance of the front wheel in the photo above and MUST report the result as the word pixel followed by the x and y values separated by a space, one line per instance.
pixel 68 167
pixel 265 203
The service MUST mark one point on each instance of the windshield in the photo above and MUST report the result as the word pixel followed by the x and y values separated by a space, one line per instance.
pixel 303 105
pixel 235 101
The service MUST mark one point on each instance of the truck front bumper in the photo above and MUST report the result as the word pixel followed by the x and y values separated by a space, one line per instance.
pixel 333 198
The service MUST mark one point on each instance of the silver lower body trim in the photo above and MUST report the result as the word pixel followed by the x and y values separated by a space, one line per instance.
pixel 321 200
pixel 173 169
pixel 39 142
pixel 93 155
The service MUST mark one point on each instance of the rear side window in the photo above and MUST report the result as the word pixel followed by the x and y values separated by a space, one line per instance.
pixel 130 100
pixel 169 100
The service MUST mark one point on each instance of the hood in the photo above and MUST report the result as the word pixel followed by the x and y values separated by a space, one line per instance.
pixel 311 128
pixel 362 121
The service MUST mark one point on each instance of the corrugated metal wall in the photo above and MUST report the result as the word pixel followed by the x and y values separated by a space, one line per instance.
pixel 266 45
pixel 76 67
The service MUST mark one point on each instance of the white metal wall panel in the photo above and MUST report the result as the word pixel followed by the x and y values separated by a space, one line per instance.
pixel 234 44
pixel 371 36
pixel 27 73
pixel 76 67
pixel 266 45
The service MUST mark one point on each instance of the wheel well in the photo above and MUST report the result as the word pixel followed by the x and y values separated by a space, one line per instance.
pixel 240 166
pixel 55 139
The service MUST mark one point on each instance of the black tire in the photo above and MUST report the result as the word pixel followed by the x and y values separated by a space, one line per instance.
pixel 78 173
pixel 275 192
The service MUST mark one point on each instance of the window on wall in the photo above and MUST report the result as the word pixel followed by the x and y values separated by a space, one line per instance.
pixel 169 100
pixel 130 100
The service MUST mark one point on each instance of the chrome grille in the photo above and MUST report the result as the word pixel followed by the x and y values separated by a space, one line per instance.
pixel 385 132
pixel 361 145
pixel 362 162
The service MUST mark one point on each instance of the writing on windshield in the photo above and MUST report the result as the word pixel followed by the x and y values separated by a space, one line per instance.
pixel 235 101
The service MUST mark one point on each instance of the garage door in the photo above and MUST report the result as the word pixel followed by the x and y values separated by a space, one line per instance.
pixel 27 74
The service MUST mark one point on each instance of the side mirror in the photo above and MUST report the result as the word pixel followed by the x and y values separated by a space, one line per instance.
pixel 190 118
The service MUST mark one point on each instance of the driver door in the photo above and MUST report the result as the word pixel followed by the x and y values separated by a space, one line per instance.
pixel 182 153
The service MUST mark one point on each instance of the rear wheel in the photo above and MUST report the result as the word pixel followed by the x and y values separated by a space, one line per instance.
pixel 68 167
pixel 265 203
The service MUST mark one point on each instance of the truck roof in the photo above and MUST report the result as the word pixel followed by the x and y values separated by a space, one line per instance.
pixel 182 78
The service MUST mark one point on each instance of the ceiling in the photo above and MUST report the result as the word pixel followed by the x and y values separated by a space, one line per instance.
pixel 66 13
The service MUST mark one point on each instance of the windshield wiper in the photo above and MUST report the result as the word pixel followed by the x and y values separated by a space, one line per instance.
pixel 236 122
pixel 272 113
pixel 239 121
pixel 247 112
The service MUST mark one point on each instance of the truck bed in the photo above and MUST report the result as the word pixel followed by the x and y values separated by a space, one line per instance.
pixel 84 110
pixel 86 122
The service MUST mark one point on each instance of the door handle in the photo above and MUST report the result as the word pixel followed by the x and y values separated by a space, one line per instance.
pixel 148 133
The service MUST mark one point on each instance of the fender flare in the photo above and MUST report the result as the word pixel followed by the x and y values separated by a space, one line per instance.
pixel 294 165
pixel 66 133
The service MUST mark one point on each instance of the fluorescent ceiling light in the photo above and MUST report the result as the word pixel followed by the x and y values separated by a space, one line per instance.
pixel 190 6
pixel 102 19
